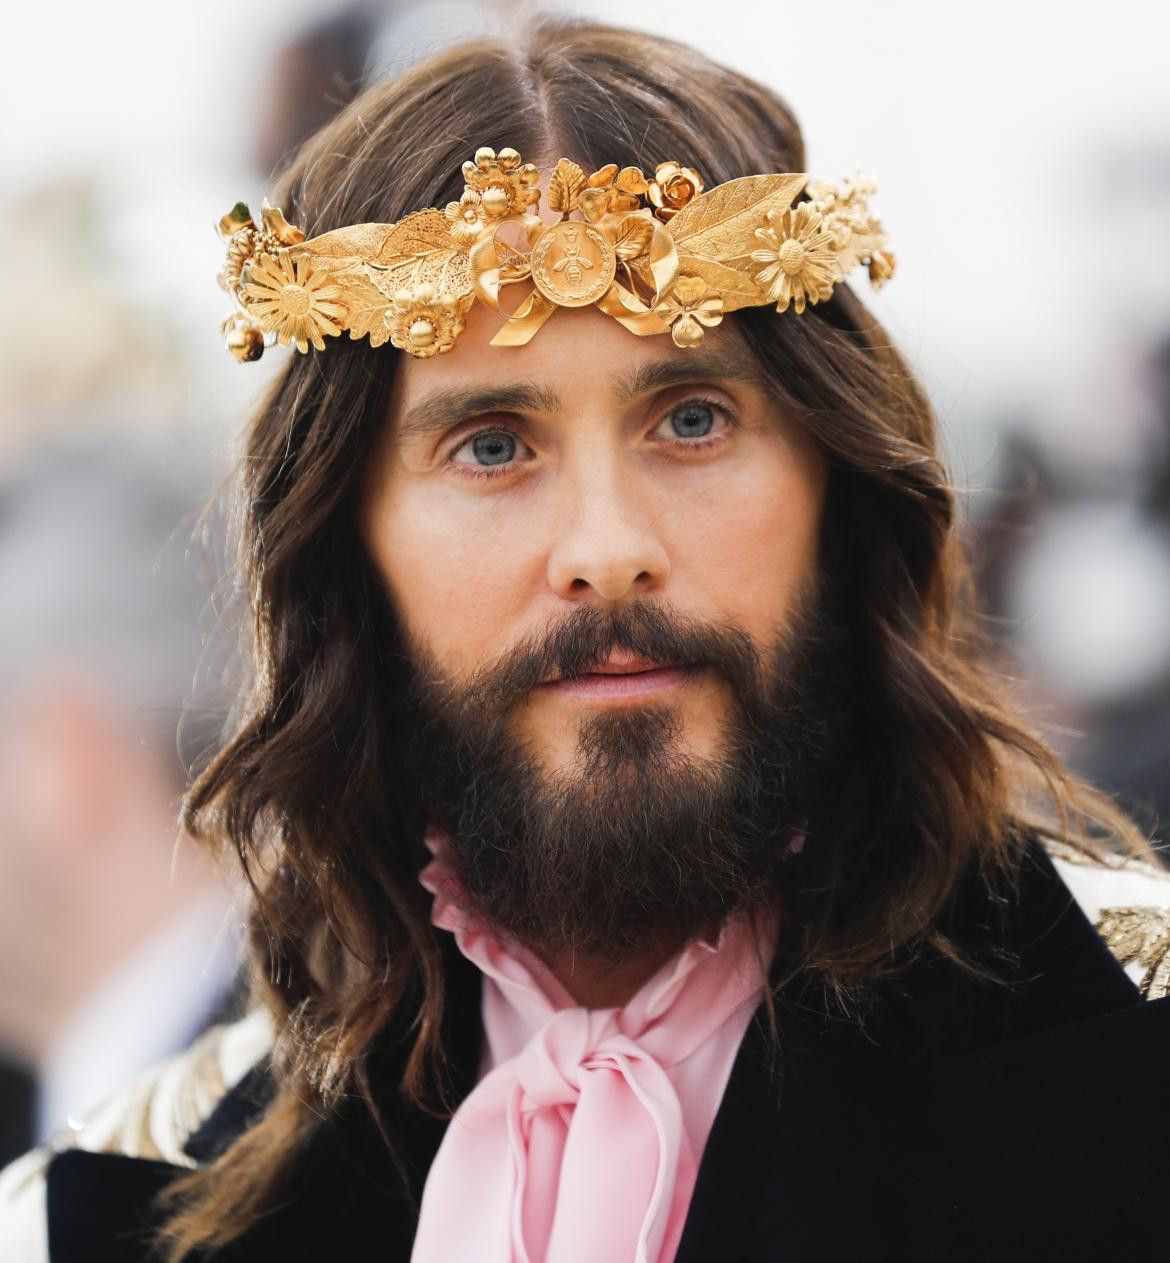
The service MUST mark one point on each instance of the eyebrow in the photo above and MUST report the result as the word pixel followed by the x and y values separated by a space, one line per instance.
pixel 444 409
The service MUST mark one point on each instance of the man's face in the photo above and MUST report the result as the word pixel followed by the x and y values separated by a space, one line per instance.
pixel 634 471
pixel 602 550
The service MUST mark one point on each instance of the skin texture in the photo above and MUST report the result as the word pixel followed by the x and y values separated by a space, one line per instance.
pixel 604 500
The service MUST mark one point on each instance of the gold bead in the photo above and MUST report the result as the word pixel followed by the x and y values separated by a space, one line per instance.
pixel 422 333
pixel 495 200
pixel 246 343
pixel 484 155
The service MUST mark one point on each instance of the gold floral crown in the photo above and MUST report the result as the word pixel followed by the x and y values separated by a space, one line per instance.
pixel 656 255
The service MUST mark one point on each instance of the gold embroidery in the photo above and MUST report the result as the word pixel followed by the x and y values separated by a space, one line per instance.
pixel 1141 934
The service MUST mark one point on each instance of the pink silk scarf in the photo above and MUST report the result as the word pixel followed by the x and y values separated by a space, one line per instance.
pixel 581 1141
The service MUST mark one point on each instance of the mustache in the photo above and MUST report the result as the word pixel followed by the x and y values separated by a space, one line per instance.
pixel 589 635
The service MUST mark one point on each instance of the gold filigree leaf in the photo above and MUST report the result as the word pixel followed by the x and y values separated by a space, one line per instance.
pixel 422 233
pixel 565 185
pixel 720 223
pixel 449 271
pixel 737 288
pixel 632 239
pixel 366 308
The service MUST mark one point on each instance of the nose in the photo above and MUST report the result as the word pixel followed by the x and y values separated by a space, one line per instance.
pixel 607 541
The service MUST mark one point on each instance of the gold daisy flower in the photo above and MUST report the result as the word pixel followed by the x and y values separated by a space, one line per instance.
pixel 801 262
pixel 467 219
pixel 292 299
pixel 504 183
pixel 672 188
pixel 687 307
pixel 422 322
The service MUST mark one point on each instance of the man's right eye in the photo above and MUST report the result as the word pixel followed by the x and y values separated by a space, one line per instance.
pixel 487 452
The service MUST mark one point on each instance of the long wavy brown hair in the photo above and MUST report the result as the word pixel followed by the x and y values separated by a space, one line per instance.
pixel 941 774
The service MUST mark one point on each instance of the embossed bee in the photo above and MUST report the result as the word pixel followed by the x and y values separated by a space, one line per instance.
pixel 573 266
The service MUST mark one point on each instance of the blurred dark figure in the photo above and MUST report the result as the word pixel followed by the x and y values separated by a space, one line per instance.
pixel 316 74
pixel 1073 564
pixel 1131 745
pixel 117 942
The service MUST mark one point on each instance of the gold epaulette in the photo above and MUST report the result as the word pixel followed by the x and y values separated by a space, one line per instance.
pixel 153 1118
pixel 1128 902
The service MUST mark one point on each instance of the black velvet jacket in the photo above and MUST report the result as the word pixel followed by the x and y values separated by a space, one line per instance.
pixel 956 1123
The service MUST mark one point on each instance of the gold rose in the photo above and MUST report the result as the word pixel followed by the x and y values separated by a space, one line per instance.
pixel 672 188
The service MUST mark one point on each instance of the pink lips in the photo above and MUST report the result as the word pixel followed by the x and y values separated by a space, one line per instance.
pixel 620 680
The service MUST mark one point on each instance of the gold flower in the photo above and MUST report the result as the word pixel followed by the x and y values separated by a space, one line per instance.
pixel 801 263
pixel 612 190
pixel 246 241
pixel 292 298
pixel 672 188
pixel 422 322
pixel 687 306
pixel 467 219
pixel 504 184
pixel 881 268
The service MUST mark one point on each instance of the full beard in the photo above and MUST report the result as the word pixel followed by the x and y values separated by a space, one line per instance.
pixel 642 844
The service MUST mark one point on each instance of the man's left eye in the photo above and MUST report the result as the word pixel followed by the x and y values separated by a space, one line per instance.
pixel 693 419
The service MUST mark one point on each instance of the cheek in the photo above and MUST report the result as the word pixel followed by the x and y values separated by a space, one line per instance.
pixel 754 546
pixel 458 584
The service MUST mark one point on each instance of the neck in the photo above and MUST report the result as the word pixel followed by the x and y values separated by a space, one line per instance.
pixel 604 984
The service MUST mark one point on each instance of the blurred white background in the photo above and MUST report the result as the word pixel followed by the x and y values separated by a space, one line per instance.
pixel 1022 158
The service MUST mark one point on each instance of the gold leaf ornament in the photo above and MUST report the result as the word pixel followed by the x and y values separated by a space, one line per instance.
pixel 416 250
pixel 714 233
pixel 565 186
pixel 632 238
pixel 368 307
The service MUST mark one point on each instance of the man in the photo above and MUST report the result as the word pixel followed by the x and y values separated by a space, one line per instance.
pixel 645 866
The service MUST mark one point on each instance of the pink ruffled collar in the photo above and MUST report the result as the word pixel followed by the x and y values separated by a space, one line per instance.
pixel 573 1146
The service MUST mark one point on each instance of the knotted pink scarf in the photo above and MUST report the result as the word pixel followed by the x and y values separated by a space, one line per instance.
pixel 581 1141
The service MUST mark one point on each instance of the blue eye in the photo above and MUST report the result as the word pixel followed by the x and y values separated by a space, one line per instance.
pixel 692 420
pixel 494 447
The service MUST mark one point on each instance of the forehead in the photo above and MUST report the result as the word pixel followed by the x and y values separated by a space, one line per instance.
pixel 576 350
